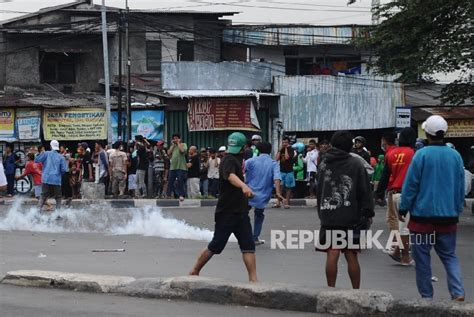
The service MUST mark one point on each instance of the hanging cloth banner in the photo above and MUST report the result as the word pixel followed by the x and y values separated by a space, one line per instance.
pixel 7 124
pixel 75 124
pixel 205 114
pixel 28 124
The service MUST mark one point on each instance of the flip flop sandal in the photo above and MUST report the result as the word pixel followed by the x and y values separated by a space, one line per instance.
pixel 287 207
pixel 395 257
pixel 276 206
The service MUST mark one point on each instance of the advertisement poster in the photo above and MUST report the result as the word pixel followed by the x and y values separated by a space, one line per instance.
pixel 75 124
pixel 7 124
pixel 149 123
pixel 221 114
pixel 28 124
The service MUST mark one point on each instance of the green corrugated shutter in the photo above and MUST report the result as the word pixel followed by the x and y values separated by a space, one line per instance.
pixel 176 121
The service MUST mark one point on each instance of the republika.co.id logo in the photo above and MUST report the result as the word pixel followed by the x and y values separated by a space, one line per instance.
pixel 342 239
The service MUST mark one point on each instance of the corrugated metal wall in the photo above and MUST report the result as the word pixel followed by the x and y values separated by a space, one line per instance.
pixel 290 35
pixel 176 121
pixel 330 103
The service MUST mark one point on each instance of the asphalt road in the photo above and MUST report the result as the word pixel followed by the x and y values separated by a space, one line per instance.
pixel 26 302
pixel 148 256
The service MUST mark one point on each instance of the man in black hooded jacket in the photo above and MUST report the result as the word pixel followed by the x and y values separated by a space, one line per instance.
pixel 345 205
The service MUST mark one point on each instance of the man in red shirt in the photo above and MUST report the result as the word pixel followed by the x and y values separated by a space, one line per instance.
pixel 397 161
pixel 33 169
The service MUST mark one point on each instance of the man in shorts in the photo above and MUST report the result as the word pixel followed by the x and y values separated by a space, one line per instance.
pixel 232 212
pixel 345 206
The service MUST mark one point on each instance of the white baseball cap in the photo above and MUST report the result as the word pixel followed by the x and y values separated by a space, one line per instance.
pixel 434 124
pixel 256 137
pixel 54 145
pixel 222 149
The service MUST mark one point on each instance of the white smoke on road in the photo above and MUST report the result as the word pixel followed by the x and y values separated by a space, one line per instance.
pixel 101 218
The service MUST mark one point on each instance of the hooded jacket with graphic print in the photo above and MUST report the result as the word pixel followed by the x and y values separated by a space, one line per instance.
pixel 344 193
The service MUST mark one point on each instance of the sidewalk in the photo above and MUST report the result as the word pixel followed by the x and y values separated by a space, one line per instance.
pixel 280 296
pixel 131 203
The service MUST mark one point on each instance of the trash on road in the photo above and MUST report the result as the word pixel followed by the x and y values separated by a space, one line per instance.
pixel 42 255
pixel 108 250
pixel 434 279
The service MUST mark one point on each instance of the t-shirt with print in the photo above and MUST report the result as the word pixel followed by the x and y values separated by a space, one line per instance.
pixel 231 198
pixel 286 166
pixel 178 159
pixel 193 171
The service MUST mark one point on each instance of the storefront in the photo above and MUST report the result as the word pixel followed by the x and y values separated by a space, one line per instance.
pixel 460 125
pixel 207 120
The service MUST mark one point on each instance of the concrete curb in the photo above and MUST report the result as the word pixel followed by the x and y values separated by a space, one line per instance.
pixel 137 203
pixel 267 295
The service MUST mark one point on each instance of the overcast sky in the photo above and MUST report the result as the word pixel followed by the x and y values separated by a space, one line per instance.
pixel 252 11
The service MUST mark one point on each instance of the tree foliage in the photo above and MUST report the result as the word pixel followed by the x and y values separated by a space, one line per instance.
pixel 418 38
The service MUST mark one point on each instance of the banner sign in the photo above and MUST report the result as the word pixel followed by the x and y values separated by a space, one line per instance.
pixel 75 124
pixel 7 124
pixel 403 117
pixel 149 123
pixel 206 114
pixel 28 124
pixel 457 128
pixel 460 128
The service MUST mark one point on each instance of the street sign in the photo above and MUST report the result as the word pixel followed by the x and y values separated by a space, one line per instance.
pixel 403 117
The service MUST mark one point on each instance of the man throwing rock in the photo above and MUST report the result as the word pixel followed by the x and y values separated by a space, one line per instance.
pixel 232 212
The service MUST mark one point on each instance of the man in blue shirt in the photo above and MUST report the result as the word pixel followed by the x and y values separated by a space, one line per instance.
pixel 433 193
pixel 54 166
pixel 262 173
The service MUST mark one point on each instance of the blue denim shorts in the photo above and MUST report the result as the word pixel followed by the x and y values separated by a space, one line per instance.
pixel 288 179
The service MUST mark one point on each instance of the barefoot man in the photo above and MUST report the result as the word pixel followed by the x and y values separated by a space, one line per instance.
pixel 232 211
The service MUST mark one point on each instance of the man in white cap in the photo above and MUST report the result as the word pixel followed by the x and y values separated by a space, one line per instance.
pixel 54 166
pixel 256 139
pixel 433 193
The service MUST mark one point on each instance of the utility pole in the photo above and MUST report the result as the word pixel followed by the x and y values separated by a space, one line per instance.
pixel 375 16
pixel 129 101
pixel 119 105
pixel 106 73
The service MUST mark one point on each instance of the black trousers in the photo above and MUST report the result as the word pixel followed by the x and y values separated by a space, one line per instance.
pixel 10 184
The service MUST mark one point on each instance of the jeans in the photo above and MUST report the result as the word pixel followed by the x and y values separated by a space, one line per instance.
pixel 204 187
pixel 181 177
pixel 445 247
pixel 213 187
pixel 141 183
pixel 258 223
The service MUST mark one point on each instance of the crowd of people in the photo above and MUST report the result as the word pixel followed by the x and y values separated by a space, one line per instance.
pixel 423 185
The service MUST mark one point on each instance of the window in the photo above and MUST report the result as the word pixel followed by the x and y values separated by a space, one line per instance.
pixel 185 50
pixel 153 55
pixel 58 68
pixel 298 66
